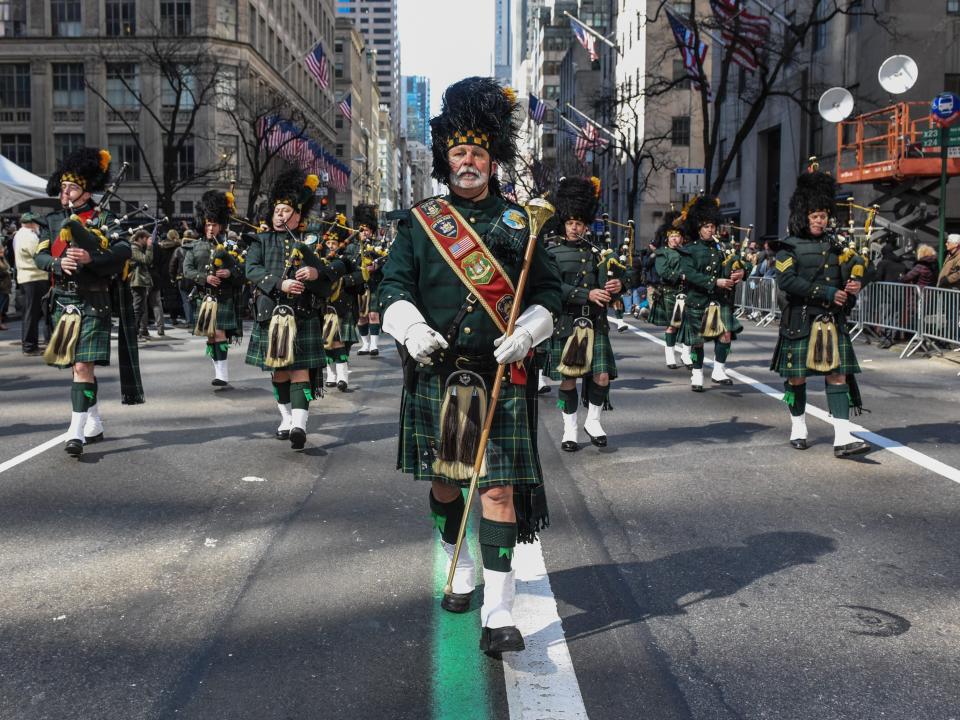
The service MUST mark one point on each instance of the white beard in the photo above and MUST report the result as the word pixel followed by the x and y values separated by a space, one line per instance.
pixel 468 181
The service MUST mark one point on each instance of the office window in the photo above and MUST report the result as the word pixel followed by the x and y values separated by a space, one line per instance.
pixel 820 30
pixel 186 165
pixel 227 19
pixel 680 131
pixel 186 207
pixel 123 85
pixel 13 18
pixel 124 150
pixel 17 147
pixel 680 76
pixel 65 18
pixel 175 17
pixel 121 17
pixel 854 18
pixel 66 143
pixel 183 83
pixel 15 86
pixel 68 86
pixel 228 149
pixel 338 70
pixel 953 7
pixel 227 88
pixel 338 122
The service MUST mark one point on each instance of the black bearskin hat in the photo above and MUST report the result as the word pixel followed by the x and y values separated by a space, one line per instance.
pixel 295 189
pixel 364 214
pixel 670 222
pixel 87 167
pixel 703 210
pixel 815 191
pixel 215 206
pixel 475 111
pixel 576 199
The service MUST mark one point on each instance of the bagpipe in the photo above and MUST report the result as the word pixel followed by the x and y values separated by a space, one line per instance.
pixel 282 331
pixel 221 258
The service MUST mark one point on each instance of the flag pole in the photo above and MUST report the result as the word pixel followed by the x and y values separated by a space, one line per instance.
pixel 591 121
pixel 592 31
pixel 299 57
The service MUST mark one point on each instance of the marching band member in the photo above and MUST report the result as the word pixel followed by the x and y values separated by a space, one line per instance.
pixel 664 311
pixel 371 263
pixel 340 313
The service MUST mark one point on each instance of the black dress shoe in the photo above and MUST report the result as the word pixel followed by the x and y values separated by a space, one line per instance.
pixel 374 353
pixel 799 444
pixel 74 447
pixel 456 602
pixel 688 367
pixel 331 383
pixel 363 352
pixel 217 382
pixel 93 438
pixel 697 388
pixel 725 381
pixel 298 438
pixel 494 641
pixel 342 385
pixel 674 366
pixel 282 434
pixel 569 446
pixel 544 390
pixel 621 328
pixel 855 448
pixel 599 440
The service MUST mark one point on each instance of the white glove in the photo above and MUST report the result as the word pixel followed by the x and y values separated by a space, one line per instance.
pixel 422 341
pixel 514 348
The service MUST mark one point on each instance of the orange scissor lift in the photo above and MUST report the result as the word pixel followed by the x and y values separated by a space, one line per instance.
pixel 891 149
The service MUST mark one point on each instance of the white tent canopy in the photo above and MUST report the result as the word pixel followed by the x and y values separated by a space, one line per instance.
pixel 18 185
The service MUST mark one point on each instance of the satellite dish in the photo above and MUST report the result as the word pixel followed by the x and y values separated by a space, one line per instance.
pixel 835 104
pixel 898 74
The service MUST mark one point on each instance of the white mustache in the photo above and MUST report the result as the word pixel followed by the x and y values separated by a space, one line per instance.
pixel 468 171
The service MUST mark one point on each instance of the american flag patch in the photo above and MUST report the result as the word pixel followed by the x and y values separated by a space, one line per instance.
pixel 462 247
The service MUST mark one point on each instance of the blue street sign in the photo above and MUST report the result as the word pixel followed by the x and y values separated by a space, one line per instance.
pixel 945 105
pixel 598 227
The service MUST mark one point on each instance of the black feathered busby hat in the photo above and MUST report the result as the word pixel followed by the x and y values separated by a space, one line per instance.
pixel 292 187
pixel 87 167
pixel 214 206
pixel 365 214
pixel 576 199
pixel 475 111
pixel 669 224
pixel 702 210
pixel 815 191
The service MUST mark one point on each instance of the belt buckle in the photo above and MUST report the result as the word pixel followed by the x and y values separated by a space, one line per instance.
pixel 457 365
pixel 585 311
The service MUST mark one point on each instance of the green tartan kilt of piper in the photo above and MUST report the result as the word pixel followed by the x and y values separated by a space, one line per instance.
pixel 662 309
pixel 307 348
pixel 603 360
pixel 93 345
pixel 226 311
pixel 348 330
pixel 790 357
pixel 511 452
pixel 691 326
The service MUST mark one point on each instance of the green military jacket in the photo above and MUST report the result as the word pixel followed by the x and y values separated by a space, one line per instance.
pixel 667 262
pixel 266 268
pixel 198 262
pixel 104 264
pixel 701 265
pixel 416 272
pixel 352 283
pixel 808 275
pixel 579 274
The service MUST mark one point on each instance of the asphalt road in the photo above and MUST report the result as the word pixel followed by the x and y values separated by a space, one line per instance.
pixel 193 567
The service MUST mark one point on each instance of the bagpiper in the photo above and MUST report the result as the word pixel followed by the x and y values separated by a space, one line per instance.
pixel 665 311
pixel 446 296
pixel 87 269
pixel 580 345
pixel 340 313
pixel 709 283
pixel 821 278
pixel 372 259
pixel 291 284
pixel 218 279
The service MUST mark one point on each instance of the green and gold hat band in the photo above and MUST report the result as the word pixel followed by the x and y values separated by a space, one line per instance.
pixel 468 137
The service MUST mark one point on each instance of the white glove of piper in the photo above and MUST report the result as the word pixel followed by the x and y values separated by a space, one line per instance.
pixel 406 323
pixel 534 325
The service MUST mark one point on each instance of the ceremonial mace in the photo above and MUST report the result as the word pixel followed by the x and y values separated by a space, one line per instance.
pixel 539 211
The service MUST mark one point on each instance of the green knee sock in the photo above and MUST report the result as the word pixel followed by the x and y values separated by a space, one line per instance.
pixel 374 328
pixel 597 394
pixel 795 396
pixel 670 339
pixel 618 313
pixel 567 401
pixel 720 351
pixel 696 354
pixel 838 402
pixel 83 396
pixel 447 517
pixel 497 540
pixel 300 395
pixel 363 330
pixel 332 356
pixel 281 392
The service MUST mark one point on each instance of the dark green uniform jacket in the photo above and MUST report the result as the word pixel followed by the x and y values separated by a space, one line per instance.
pixel 579 274
pixel 198 263
pixel 700 267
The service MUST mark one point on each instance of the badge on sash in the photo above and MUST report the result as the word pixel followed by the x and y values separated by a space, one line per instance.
pixel 514 219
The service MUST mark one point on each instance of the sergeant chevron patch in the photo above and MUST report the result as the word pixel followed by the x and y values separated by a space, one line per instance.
pixel 784 265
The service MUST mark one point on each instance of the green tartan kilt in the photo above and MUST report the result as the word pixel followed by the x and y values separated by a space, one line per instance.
pixel 307 347
pixel 603 360
pixel 226 312
pixel 662 309
pixel 348 330
pixel 511 451
pixel 790 358
pixel 691 326
pixel 93 345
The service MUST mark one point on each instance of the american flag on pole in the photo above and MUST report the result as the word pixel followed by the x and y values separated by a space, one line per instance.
pixel 746 34
pixel 586 39
pixel 692 58
pixel 318 66
pixel 588 139
pixel 537 108
pixel 345 107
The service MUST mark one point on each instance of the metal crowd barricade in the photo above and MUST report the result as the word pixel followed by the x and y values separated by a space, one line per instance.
pixel 939 316
pixel 757 298
pixel 891 306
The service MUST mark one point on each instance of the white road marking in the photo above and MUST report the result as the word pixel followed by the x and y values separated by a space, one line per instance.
pixel 252 478
pixel 897 448
pixel 540 681
pixel 33 452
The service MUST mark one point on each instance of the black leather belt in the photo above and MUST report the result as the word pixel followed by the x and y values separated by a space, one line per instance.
pixel 72 286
